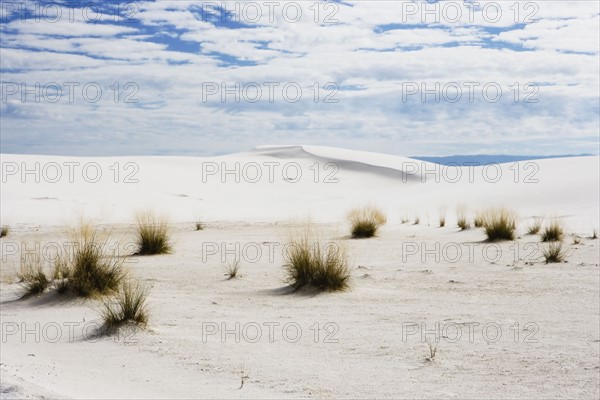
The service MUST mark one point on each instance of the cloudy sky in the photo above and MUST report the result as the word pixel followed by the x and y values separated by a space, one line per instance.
pixel 201 78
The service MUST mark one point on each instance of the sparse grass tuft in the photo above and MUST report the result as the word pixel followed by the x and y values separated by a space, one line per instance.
pixel 432 352
pixel 576 239
pixel 478 220
pixel 128 306
pixel 417 220
pixel 32 277
pixel 365 221
pixel 232 269
pixel 309 262
pixel 594 234
pixel 4 231
pixel 243 376
pixel 535 226
pixel 90 272
pixel 554 253
pixel 61 275
pixel 199 226
pixel 552 233
pixel 461 219
pixel 499 224
pixel 442 219
pixel 153 236
pixel 463 223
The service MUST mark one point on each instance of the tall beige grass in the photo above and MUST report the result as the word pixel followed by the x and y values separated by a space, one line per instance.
pixel 499 224
pixel 365 221
pixel 129 306
pixel 555 253
pixel 309 260
pixel 153 234
pixel 553 232
pixel 535 225
pixel 32 278
pixel 442 217
pixel 91 270
pixel 461 218
pixel 478 219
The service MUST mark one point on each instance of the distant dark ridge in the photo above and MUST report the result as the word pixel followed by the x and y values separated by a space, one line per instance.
pixel 488 159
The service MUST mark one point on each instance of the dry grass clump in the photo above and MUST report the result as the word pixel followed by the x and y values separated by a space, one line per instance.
pixel 4 231
pixel 61 275
pixel 432 352
pixel 417 220
pixel 553 232
pixel 89 272
pixel 309 262
pixel 463 223
pixel 232 269
pixel 199 226
pixel 499 224
pixel 478 220
pixel 535 226
pixel 442 219
pixel 554 253
pixel 128 306
pixel 461 219
pixel 594 234
pixel 32 278
pixel 365 221
pixel 93 274
pixel 243 376
pixel 153 235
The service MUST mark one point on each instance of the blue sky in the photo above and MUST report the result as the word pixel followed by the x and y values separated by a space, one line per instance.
pixel 202 78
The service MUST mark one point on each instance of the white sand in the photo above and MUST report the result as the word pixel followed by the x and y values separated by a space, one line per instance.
pixel 548 315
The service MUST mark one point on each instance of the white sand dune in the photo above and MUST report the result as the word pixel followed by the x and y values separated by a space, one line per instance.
pixel 279 183
pixel 355 344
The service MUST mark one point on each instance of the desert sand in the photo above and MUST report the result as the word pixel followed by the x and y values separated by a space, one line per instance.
pixel 503 322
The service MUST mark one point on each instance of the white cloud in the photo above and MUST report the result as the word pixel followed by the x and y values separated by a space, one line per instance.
pixel 578 35
pixel 66 28
pixel 356 52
